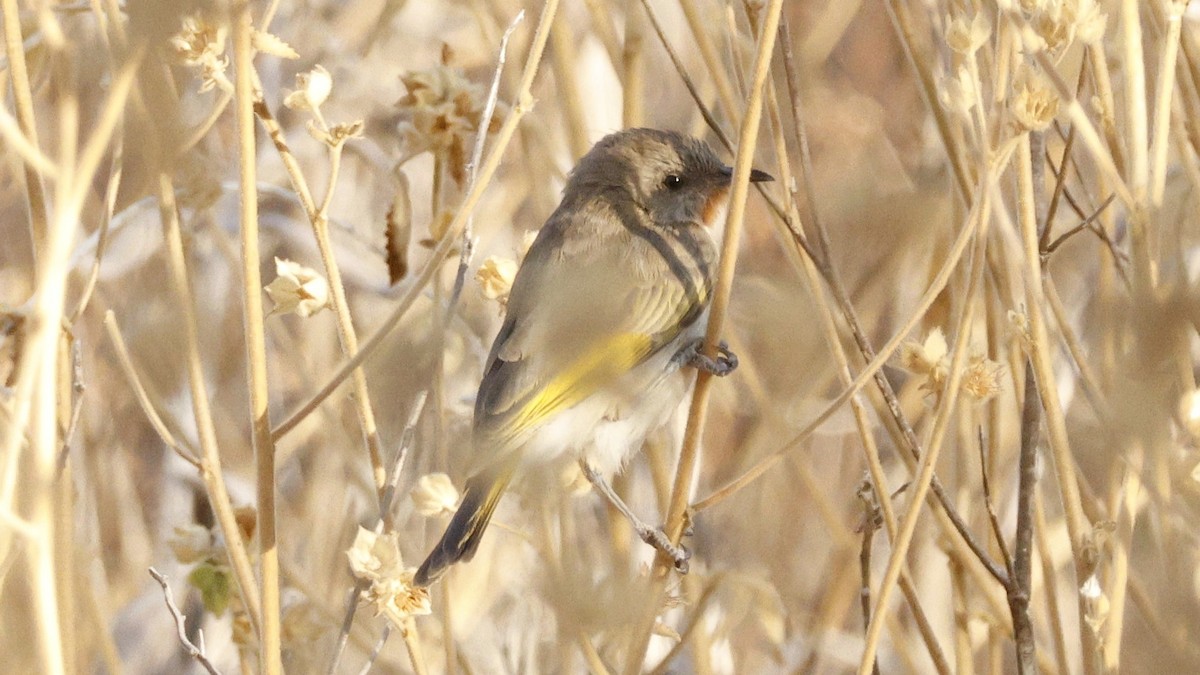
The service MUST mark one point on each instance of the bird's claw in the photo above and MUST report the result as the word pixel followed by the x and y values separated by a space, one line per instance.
pixel 723 364
pixel 679 555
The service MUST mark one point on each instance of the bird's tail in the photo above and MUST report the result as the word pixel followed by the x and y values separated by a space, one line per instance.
pixel 462 536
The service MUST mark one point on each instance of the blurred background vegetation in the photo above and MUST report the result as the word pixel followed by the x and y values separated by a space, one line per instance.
pixel 1008 195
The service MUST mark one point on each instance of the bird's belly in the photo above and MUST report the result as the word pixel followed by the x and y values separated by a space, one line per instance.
pixel 610 426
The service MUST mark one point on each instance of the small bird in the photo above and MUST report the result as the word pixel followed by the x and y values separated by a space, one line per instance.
pixel 605 310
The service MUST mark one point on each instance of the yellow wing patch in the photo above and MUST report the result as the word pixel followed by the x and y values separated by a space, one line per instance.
pixel 601 364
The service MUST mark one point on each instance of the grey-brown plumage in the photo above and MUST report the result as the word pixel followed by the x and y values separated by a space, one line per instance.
pixel 608 295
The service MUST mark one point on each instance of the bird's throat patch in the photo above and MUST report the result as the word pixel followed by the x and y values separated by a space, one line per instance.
pixel 713 205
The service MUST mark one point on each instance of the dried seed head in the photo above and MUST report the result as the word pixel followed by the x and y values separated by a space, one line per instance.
pixel 495 277
pixel 376 558
pixel 929 359
pixel 297 289
pixel 982 378
pixel 966 36
pixel 1034 102
pixel 441 113
pixel 312 90
pixel 200 44
pixel 434 495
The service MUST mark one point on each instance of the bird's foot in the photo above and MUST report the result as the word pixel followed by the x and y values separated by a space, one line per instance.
pixel 679 555
pixel 723 364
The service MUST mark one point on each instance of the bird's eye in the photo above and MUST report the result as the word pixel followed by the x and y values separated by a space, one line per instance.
pixel 672 182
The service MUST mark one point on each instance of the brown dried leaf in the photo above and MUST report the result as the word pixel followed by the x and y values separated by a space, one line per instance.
pixel 398 231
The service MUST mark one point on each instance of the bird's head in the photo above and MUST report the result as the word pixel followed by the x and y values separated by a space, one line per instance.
pixel 672 177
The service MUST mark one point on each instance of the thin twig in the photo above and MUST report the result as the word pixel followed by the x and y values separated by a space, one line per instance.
pixel 139 391
pixel 1071 106
pixel 1053 246
pixel 990 505
pixel 872 518
pixel 1020 588
pixel 116 167
pixel 829 325
pixel 780 211
pixel 485 123
pixel 1060 176
pixel 687 80
pixel 1050 585
pixel 194 651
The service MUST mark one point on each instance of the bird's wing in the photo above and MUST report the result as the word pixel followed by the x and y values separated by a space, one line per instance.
pixel 579 318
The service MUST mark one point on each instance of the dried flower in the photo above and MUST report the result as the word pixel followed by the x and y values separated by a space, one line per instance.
pixel 336 134
pixel 929 358
pixel 441 113
pixel 198 40
pixel 200 44
pixel 959 93
pixel 192 543
pixel 312 89
pixel 434 495
pixel 271 44
pixel 1090 22
pixel 1054 26
pixel 297 289
pixel 495 277
pixel 376 558
pixel 981 380
pixel 1034 102
pixel 965 37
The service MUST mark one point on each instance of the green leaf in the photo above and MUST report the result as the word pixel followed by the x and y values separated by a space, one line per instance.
pixel 214 585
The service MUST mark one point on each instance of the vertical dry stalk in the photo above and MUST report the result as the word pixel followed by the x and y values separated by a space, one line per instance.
pixel 210 462
pixel 1164 93
pixel 712 60
pixel 1064 463
pixel 39 415
pixel 689 455
pixel 920 487
pixel 270 646
pixel 18 71
pixel 1020 587
pixel 633 66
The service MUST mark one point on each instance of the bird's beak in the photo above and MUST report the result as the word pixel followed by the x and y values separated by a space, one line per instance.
pixel 756 176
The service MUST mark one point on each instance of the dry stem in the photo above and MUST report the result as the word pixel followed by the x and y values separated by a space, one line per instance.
pixel 689 455
pixel 270 646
